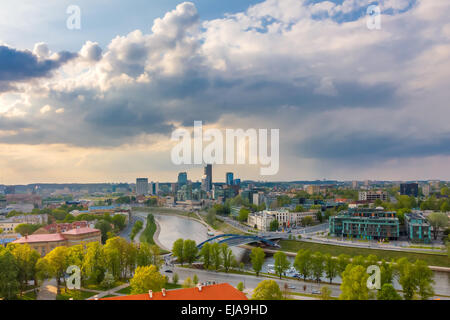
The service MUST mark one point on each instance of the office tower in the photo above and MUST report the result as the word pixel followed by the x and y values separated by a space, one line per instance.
pixel 409 189
pixel 229 178
pixel 141 186
pixel 182 179
pixel 208 174
pixel 236 182
pixel 355 184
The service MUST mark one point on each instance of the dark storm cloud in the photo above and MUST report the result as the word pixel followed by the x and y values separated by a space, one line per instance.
pixel 17 65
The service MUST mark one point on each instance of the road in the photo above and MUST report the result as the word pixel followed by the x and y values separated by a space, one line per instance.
pixel 125 233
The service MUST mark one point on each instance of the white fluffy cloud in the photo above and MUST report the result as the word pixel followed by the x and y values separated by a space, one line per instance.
pixel 334 87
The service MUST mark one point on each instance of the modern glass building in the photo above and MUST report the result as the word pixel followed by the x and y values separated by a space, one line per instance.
pixel 229 178
pixel 365 223
pixel 418 228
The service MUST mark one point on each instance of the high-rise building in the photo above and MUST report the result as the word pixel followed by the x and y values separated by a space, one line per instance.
pixel 182 179
pixel 236 182
pixel 355 184
pixel 229 178
pixel 141 186
pixel 409 189
pixel 208 177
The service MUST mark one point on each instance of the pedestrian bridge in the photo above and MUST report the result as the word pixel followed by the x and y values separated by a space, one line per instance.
pixel 236 240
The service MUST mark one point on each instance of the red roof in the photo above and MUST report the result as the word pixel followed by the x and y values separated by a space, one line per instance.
pixel 81 231
pixel 221 291
pixel 41 238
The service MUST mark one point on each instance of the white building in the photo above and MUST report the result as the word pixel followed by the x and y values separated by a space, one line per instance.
pixel 285 218
pixel 372 195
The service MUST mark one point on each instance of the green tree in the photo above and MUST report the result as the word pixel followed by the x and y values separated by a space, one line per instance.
pixel 175 278
pixel 354 283
pixel 190 251
pixel 307 221
pixel 227 256
pixel 205 254
pixel 58 263
pixel 104 227
pixel 267 290
pixel 9 285
pixel 188 283
pixel 303 263
pixel 145 279
pixel 274 225
pixel 257 257
pixel 424 279
pixel 26 260
pixel 317 264
pixel 216 255
pixel 281 264
pixel 243 214
pixel 343 260
pixel 27 229
pixel 240 286
pixel 325 293
pixel 388 292
pixel 93 267
pixel 178 250
pixel 108 281
pixel 195 279
pixel 438 220
pixel 331 267
pixel 116 257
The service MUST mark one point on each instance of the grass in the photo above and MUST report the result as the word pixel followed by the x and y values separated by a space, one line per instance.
pixel 27 296
pixel 101 288
pixel 149 231
pixel 317 296
pixel 431 259
pixel 66 294
pixel 110 296
pixel 126 290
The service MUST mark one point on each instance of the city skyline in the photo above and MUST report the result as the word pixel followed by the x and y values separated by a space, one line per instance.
pixel 100 103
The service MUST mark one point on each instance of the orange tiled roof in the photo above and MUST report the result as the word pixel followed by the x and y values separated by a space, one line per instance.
pixel 221 291
pixel 81 231
pixel 41 238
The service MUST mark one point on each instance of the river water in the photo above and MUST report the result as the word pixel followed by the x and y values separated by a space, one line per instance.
pixel 175 227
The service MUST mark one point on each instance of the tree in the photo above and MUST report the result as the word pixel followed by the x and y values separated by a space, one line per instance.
pixel 93 267
pixel 145 279
pixel 57 262
pixel 354 283
pixel 175 278
pixel 325 293
pixel 205 254
pixel 281 264
pixel 438 220
pixel 306 221
pixel 387 272
pixel 178 250
pixel 216 255
pixel 119 221
pixel 424 279
pixel 240 286
pixel 104 227
pixel 331 267
pixel 343 260
pixel 144 255
pixel 27 229
pixel 188 283
pixel 388 292
pixel 190 251
pixel 116 258
pixel 317 264
pixel 274 225
pixel 108 281
pixel 243 214
pixel 267 290
pixel 9 286
pixel 211 217
pixel 257 257
pixel 302 263
pixel 227 256
pixel 26 260
pixel 195 279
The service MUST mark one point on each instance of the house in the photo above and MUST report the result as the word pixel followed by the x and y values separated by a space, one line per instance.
pixel 221 291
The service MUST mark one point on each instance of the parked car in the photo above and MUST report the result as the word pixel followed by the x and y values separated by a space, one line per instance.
pixel 315 292
pixel 168 271
pixel 291 287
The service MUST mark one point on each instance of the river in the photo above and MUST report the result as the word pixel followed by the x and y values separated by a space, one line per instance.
pixel 175 227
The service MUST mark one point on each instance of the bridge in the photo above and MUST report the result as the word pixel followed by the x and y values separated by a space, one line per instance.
pixel 236 240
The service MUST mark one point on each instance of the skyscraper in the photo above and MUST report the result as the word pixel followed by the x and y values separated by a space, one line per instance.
pixel 208 177
pixel 229 178
pixel 182 179
pixel 141 186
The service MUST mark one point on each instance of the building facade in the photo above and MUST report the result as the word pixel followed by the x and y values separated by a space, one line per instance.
pixel 141 186
pixel 372 195
pixel 409 189
pixel 418 228
pixel 365 223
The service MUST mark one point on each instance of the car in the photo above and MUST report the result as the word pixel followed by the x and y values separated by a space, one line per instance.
pixel 291 287
pixel 315 292
pixel 168 271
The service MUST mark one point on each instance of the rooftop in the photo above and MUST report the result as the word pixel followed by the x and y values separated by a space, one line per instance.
pixel 222 291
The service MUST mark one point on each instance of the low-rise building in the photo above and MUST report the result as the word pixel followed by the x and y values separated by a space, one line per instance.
pixel 417 227
pixel 372 195
pixel 261 220
pixel 365 223
pixel 44 243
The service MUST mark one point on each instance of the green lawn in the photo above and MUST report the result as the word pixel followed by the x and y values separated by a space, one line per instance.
pixel 432 259
pixel 75 294
pixel 101 288
pixel 126 290
pixel 27 296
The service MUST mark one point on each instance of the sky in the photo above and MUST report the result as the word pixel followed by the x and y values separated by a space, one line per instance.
pixel 99 103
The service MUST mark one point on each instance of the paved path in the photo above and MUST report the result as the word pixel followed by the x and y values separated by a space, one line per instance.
pixel 47 291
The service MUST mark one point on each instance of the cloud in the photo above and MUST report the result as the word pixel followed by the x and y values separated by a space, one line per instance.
pixel 338 91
